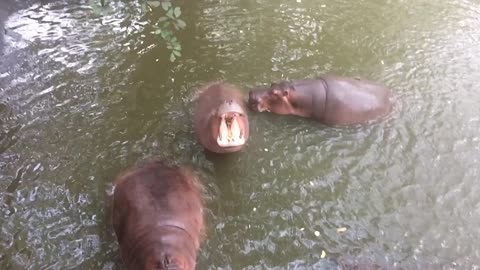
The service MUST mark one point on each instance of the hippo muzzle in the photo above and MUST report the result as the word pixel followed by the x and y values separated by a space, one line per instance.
pixel 256 100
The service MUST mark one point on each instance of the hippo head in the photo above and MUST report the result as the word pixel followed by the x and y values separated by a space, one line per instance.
pixel 271 99
pixel 230 126
pixel 167 248
pixel 163 261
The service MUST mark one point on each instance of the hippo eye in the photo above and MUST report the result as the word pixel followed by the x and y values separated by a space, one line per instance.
pixel 277 92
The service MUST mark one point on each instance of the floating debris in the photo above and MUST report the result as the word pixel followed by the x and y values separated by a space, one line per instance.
pixel 317 233
pixel 324 254
pixel 341 230
pixel 37 167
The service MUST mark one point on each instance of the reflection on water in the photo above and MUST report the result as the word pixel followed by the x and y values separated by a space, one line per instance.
pixel 84 96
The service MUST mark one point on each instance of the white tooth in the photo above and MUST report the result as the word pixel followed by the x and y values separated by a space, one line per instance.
pixel 235 128
pixel 223 131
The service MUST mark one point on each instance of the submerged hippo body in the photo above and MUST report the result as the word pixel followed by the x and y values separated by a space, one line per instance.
pixel 158 217
pixel 329 99
pixel 220 118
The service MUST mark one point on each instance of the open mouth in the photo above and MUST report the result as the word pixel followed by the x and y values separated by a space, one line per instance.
pixel 261 108
pixel 229 133
pixel 257 105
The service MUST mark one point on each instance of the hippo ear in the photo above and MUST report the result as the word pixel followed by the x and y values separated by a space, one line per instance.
pixel 285 92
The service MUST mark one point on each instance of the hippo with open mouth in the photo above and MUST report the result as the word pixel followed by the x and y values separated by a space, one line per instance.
pixel 220 119
pixel 330 99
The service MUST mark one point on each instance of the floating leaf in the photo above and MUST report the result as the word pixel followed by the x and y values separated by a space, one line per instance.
pixel 172 57
pixel 162 19
pixel 166 5
pixel 153 3
pixel 96 10
pixel 158 31
pixel 177 12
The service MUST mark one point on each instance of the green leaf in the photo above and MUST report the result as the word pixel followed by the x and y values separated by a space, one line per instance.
pixel 181 24
pixel 177 46
pixel 170 13
pixel 177 53
pixel 172 57
pixel 165 25
pixel 177 12
pixel 162 19
pixel 96 9
pixel 153 3
pixel 166 34
pixel 158 31
pixel 166 5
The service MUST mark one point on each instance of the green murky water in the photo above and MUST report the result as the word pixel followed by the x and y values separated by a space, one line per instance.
pixel 85 96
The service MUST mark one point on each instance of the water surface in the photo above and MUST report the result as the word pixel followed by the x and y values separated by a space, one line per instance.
pixel 85 96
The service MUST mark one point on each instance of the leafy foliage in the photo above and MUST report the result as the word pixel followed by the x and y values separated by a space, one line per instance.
pixel 99 7
pixel 164 28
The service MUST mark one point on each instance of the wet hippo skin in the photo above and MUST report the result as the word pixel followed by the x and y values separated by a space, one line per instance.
pixel 332 100
pixel 220 118
pixel 157 217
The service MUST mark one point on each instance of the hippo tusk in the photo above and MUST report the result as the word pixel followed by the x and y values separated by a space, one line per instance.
pixel 223 129
pixel 235 129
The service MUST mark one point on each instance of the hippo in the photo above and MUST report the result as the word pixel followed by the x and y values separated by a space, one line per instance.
pixel 220 118
pixel 330 99
pixel 157 217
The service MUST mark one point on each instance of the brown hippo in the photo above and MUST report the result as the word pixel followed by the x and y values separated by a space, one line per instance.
pixel 220 118
pixel 158 217
pixel 330 99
